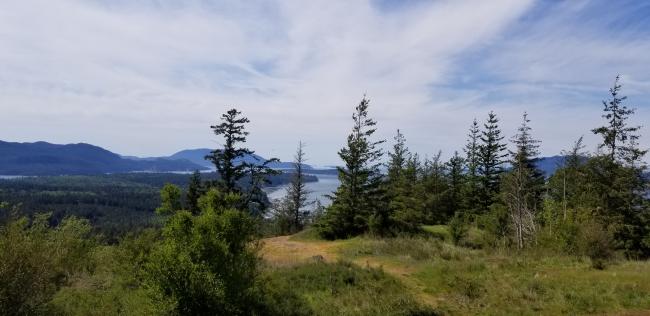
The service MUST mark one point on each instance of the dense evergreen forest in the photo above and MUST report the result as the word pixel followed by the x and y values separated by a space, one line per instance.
pixel 488 199
pixel 114 204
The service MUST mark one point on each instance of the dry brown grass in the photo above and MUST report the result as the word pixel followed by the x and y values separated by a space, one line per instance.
pixel 282 252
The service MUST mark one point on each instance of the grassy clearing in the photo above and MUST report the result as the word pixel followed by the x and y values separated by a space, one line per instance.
pixel 461 280
pixel 466 281
pixel 344 288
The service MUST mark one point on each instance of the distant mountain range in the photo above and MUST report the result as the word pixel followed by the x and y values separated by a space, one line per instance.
pixel 548 165
pixel 197 156
pixel 42 158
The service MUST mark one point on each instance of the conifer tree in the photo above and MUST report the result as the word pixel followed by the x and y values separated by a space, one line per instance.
pixel 619 139
pixel 525 156
pixel 258 174
pixel 435 186
pixel 566 184
pixel 232 167
pixel 356 201
pixel 402 188
pixel 490 162
pixel 397 158
pixel 297 190
pixel 232 128
pixel 523 185
pixel 618 178
pixel 395 180
pixel 289 212
pixel 194 192
pixel 456 180
pixel 472 188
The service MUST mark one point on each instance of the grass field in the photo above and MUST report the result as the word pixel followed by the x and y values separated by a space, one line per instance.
pixel 428 276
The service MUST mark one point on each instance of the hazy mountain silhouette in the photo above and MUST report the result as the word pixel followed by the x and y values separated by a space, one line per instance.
pixel 42 158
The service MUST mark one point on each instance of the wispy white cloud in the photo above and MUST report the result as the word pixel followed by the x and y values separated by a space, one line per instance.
pixel 149 77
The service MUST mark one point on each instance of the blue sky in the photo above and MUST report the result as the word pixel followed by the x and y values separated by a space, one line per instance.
pixel 149 77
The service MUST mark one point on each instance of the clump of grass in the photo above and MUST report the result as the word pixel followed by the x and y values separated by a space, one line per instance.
pixel 346 289
pixel 440 232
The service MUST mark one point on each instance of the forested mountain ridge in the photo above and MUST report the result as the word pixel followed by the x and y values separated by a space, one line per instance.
pixel 42 158
pixel 197 156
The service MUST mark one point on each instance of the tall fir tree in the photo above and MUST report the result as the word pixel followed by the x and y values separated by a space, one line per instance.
pixel 471 201
pixel 397 158
pixel 289 212
pixel 358 199
pixel 297 191
pixel 619 139
pixel 525 156
pixel 435 186
pixel 226 159
pixel 401 188
pixel 523 185
pixel 232 167
pixel 490 161
pixel 395 179
pixel 618 178
pixel 457 182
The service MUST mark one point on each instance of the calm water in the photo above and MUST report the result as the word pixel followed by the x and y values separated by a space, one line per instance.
pixel 326 184
pixel 11 177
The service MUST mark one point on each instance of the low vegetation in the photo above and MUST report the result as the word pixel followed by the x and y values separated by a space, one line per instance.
pixel 458 280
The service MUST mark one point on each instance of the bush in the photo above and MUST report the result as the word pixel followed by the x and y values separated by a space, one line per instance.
pixel 597 243
pixel 208 264
pixel 36 260
pixel 457 228
pixel 496 224
pixel 115 285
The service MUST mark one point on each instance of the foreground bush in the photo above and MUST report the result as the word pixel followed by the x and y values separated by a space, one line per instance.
pixel 36 260
pixel 205 264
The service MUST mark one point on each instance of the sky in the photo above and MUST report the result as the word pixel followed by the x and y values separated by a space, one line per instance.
pixel 148 78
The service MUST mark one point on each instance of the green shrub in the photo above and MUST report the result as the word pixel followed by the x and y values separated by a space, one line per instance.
pixel 205 263
pixel 115 286
pixel 208 264
pixel 496 224
pixel 36 260
pixel 457 228
pixel 597 243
